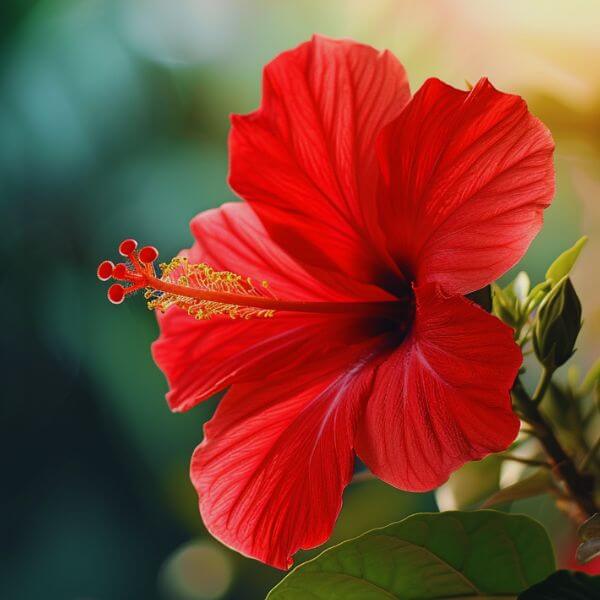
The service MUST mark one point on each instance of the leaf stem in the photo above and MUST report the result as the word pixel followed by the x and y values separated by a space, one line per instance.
pixel 529 431
pixel 526 461
pixel 542 386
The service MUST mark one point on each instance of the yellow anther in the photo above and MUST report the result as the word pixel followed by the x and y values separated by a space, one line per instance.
pixel 201 276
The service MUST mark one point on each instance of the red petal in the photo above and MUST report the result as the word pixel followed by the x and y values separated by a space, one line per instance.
pixel 199 358
pixel 442 398
pixel 306 159
pixel 277 456
pixel 468 176
pixel 232 238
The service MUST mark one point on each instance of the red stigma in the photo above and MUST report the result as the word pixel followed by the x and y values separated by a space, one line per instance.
pixel 127 247
pixel 148 254
pixel 137 272
pixel 120 271
pixel 116 293
pixel 105 270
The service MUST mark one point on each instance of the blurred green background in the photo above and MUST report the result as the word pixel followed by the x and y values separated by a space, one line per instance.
pixel 113 123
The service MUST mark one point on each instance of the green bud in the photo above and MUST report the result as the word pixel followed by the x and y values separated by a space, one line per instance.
pixel 557 325
pixel 591 379
pixel 536 295
pixel 505 305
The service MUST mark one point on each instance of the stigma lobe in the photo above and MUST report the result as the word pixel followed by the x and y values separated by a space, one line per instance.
pixel 138 274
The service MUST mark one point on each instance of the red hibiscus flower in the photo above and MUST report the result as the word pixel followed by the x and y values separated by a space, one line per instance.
pixel 371 214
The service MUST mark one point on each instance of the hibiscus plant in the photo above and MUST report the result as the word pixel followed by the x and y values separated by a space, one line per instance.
pixel 349 304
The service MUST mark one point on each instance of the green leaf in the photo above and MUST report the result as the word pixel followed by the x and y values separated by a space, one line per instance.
pixel 593 376
pixel 428 556
pixel 564 263
pixel 565 585
pixel 539 483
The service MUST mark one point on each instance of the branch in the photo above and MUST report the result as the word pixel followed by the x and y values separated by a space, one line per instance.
pixel 526 461
pixel 578 485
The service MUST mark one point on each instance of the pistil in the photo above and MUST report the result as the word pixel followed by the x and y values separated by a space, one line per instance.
pixel 204 292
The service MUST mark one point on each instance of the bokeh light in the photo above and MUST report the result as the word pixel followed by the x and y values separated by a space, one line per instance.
pixel 198 570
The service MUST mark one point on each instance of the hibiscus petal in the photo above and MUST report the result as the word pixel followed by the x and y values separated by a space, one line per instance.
pixel 306 159
pixel 442 398
pixel 468 175
pixel 277 455
pixel 232 238
pixel 199 358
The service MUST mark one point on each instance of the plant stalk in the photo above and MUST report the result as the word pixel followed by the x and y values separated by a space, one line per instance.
pixel 578 486
pixel 525 461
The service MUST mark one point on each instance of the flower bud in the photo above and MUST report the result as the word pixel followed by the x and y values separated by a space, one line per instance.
pixel 557 325
pixel 505 305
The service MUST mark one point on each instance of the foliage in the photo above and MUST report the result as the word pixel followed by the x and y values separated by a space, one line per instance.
pixel 478 554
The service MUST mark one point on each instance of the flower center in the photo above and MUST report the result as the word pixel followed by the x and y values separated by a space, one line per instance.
pixel 204 292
